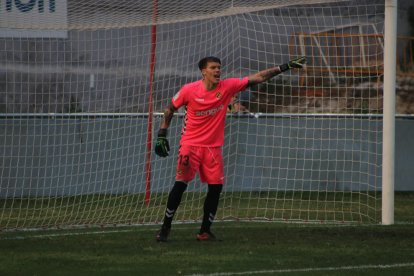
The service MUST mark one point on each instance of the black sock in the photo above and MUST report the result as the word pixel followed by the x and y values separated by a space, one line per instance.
pixel 210 206
pixel 174 199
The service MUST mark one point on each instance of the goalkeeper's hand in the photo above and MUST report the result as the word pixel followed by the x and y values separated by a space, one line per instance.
pixel 294 63
pixel 162 147
pixel 297 62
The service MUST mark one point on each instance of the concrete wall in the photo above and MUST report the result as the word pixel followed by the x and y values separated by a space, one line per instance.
pixel 52 156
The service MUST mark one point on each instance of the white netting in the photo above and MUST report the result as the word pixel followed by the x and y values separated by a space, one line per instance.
pixel 75 108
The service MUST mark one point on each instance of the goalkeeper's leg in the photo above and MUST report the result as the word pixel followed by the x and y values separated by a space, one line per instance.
pixel 174 199
pixel 210 208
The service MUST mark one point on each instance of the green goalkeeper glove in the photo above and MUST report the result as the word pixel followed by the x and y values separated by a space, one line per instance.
pixel 162 147
pixel 294 63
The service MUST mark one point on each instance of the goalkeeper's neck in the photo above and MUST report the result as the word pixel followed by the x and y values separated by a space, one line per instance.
pixel 208 85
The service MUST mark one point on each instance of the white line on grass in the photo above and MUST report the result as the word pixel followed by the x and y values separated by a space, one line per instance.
pixel 145 228
pixel 66 234
pixel 309 269
pixel 80 233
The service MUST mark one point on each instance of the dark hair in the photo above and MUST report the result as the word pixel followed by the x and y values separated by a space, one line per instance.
pixel 203 62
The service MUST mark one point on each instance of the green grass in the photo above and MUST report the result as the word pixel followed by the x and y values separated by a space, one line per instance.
pixel 254 247
pixel 245 247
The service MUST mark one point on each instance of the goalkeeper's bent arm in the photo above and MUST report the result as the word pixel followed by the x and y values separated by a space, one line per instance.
pixel 162 147
pixel 168 115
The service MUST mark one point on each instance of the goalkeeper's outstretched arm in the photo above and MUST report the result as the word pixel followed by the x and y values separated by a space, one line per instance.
pixel 267 74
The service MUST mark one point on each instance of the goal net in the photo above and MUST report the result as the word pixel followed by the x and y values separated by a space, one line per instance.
pixel 83 85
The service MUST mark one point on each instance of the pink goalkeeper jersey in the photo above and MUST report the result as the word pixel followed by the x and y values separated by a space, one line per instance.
pixel 206 111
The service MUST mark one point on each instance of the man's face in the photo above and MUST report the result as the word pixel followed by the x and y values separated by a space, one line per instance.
pixel 212 72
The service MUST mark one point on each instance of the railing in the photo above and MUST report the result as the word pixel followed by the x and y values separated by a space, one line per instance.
pixel 344 57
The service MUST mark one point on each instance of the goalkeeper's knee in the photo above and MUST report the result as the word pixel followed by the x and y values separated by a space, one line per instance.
pixel 215 189
pixel 176 193
pixel 213 194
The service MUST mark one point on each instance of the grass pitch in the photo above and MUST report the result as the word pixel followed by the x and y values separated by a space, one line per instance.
pixel 248 248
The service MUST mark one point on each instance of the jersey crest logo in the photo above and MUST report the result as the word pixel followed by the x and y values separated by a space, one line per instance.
pixel 218 95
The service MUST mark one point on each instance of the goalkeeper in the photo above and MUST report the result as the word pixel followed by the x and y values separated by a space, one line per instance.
pixel 202 136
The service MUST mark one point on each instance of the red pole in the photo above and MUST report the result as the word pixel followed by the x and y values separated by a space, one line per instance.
pixel 150 104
